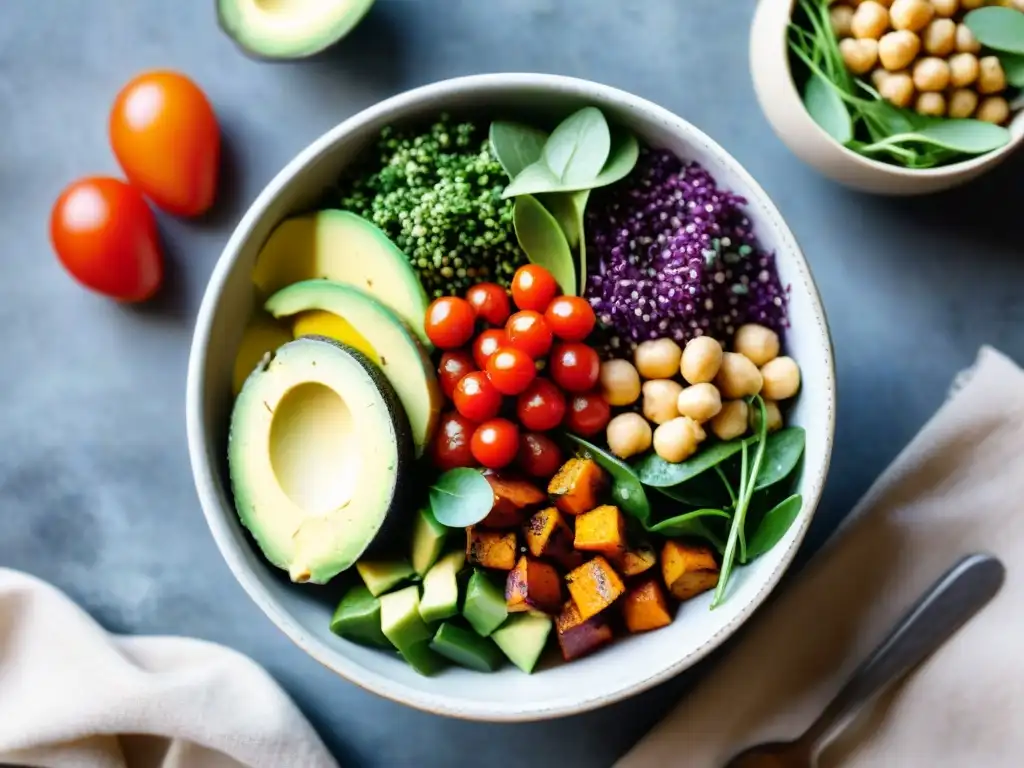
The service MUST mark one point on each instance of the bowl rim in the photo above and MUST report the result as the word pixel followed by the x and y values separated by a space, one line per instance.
pixel 205 467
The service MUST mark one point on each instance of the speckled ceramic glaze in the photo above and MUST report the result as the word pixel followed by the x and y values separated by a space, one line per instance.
pixel 782 105
pixel 302 611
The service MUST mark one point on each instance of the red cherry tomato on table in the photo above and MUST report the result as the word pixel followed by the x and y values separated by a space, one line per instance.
pixel 105 236
pixel 453 366
pixel 496 443
pixel 541 406
pixel 449 322
pixel 510 370
pixel 165 136
pixel 486 344
pixel 570 318
pixel 588 414
pixel 528 331
pixel 538 455
pixel 533 288
pixel 452 444
pixel 490 302
pixel 575 367
pixel 476 398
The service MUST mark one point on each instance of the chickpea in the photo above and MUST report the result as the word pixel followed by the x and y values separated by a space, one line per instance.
pixel 931 74
pixel 660 396
pixel 860 56
pixel 966 42
pixel 970 5
pixel 870 21
pixel 677 440
pixel 912 15
pixel 993 109
pixel 940 37
pixel 757 342
pixel 702 357
pixel 841 17
pixel 878 76
pixel 932 104
pixel 738 377
pixel 620 382
pixel 962 102
pixel 700 402
pixel 1018 4
pixel 963 69
pixel 657 359
pixel 991 78
pixel 731 421
pixel 897 50
pixel 628 434
pixel 771 410
pixel 946 8
pixel 781 378
pixel 898 89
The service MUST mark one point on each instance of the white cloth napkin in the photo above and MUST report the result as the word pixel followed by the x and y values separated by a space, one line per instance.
pixel 74 696
pixel 957 488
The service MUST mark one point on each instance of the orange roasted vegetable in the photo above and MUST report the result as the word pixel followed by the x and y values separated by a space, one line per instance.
pixel 602 529
pixel 644 607
pixel 577 486
pixel 491 549
pixel 578 636
pixel 594 586
pixel 549 536
pixel 688 568
pixel 533 584
pixel 513 499
pixel 636 560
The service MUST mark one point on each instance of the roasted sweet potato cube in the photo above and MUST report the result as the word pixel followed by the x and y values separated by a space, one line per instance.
pixel 688 568
pixel 513 500
pixel 577 486
pixel 594 586
pixel 491 549
pixel 578 636
pixel 533 584
pixel 602 529
pixel 644 607
pixel 549 536
pixel 637 559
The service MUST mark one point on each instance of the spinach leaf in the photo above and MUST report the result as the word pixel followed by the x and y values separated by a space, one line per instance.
pixel 461 497
pixel 997 27
pixel 774 526
pixel 782 451
pixel 516 145
pixel 683 525
pixel 827 109
pixel 701 491
pixel 563 208
pixel 543 241
pixel 626 490
pixel 579 204
pixel 970 137
pixel 656 472
pixel 622 159
pixel 1013 66
pixel 578 148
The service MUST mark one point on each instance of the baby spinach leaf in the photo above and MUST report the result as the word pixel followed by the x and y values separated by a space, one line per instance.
pixel 696 493
pixel 579 204
pixel 461 497
pixel 782 451
pixel 622 159
pixel 774 526
pixel 684 524
pixel 655 471
pixel 1013 66
pixel 516 145
pixel 543 241
pixel 533 180
pixel 578 148
pixel 997 27
pixel 827 109
pixel 627 490
pixel 563 208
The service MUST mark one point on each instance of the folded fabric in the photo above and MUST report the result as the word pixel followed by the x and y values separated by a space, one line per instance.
pixel 956 489
pixel 74 696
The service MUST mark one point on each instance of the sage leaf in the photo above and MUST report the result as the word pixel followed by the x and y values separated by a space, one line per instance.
pixel 578 148
pixel 997 27
pixel 461 497
pixel 782 451
pixel 827 109
pixel 543 241
pixel 774 525
pixel 627 491
pixel 685 524
pixel 1013 66
pixel 656 472
pixel 516 145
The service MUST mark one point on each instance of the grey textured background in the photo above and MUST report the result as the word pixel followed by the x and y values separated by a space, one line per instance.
pixel 95 489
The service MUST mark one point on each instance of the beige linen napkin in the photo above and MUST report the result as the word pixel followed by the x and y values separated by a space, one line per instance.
pixel 74 696
pixel 957 488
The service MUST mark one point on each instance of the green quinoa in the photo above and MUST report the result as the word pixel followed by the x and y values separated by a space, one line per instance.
pixel 437 195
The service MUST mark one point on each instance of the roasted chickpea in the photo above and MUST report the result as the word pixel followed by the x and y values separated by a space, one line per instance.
pixel 898 89
pixel 677 440
pixel 860 56
pixel 993 109
pixel 939 37
pixel 771 410
pixel 870 21
pixel 628 434
pixel 897 50
pixel 931 74
pixel 878 76
pixel 660 396
pixel 966 42
pixel 781 378
pixel 701 360
pixel 945 8
pixel 963 69
pixel 932 104
pixel 738 377
pixel 841 17
pixel 657 359
pixel 756 342
pixel 991 78
pixel 962 103
pixel 912 15
pixel 700 402
pixel 970 5
pixel 620 382
pixel 731 421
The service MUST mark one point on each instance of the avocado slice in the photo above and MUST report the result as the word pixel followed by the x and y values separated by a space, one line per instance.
pixel 428 537
pixel 484 607
pixel 261 335
pixel 344 248
pixel 382 575
pixel 440 589
pixel 522 638
pixel 317 447
pixel 357 618
pixel 320 323
pixel 401 624
pixel 288 29
pixel 466 648
pixel 402 359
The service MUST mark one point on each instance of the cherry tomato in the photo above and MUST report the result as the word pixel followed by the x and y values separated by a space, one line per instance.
pixel 164 134
pixel 476 398
pixel 510 370
pixel 495 443
pixel 451 447
pixel 453 366
pixel 538 455
pixel 105 236
pixel 570 318
pixel 575 367
pixel 490 302
pixel 486 344
pixel 528 331
pixel 533 288
pixel 588 414
pixel 541 406
pixel 449 322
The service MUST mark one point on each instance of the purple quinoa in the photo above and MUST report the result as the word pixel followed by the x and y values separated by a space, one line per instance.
pixel 671 254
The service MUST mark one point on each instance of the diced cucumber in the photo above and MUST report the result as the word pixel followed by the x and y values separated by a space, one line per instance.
pixel 522 638
pixel 357 618
pixel 466 648
pixel 484 606
pixel 440 589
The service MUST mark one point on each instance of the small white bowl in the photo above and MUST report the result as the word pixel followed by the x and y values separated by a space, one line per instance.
pixel 782 105
pixel 303 612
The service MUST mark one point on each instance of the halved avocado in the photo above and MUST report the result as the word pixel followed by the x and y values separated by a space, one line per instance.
pixel 289 29
pixel 344 248
pixel 402 359
pixel 316 452
pixel 262 335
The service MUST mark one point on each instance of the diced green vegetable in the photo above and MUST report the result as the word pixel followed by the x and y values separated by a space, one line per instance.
pixel 357 618
pixel 401 623
pixel 466 648
pixel 522 638
pixel 382 575
pixel 428 538
pixel 440 589
pixel 484 607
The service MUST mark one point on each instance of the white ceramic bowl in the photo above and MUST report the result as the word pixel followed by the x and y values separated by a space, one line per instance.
pixel 303 612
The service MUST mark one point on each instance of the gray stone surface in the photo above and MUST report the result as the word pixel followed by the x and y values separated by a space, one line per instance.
pixel 95 490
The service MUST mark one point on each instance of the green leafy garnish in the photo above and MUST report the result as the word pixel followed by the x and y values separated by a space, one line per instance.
pixel 461 497
pixel 627 490
pixel 997 27
pixel 774 525
pixel 543 241
pixel 578 148
pixel 516 145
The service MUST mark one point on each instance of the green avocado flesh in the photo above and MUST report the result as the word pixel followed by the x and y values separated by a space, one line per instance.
pixel 357 618
pixel 522 638
pixel 441 590
pixel 401 623
pixel 347 249
pixel 466 648
pixel 382 575
pixel 289 29
pixel 484 608
pixel 317 445
pixel 428 537
pixel 403 360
